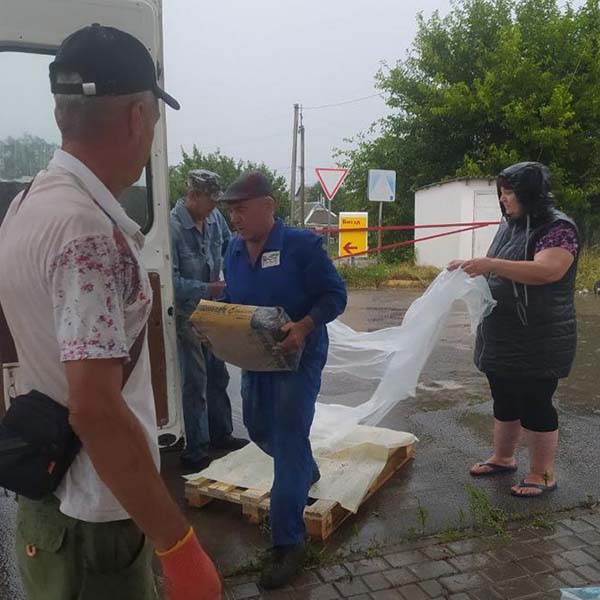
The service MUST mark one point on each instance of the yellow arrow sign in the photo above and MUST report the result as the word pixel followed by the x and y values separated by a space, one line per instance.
pixel 353 242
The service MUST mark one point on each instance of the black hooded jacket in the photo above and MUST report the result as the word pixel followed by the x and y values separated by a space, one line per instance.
pixel 532 332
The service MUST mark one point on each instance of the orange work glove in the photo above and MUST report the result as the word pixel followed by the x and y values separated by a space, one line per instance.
pixel 189 572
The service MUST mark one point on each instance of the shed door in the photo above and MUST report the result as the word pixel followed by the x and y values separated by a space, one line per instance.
pixel 485 209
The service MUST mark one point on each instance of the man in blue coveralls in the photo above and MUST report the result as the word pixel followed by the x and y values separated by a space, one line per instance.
pixel 270 264
pixel 200 236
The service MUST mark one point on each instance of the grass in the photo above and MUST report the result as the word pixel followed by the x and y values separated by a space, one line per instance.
pixel 374 275
pixel 251 566
pixel 423 516
pixel 317 556
pixel 540 521
pixel 589 269
pixel 453 533
pixel 486 516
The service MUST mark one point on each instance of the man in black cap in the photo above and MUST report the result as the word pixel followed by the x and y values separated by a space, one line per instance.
pixel 77 307
pixel 270 264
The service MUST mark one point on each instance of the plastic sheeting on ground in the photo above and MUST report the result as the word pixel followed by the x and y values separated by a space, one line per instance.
pixel 346 474
pixel 592 593
pixel 371 372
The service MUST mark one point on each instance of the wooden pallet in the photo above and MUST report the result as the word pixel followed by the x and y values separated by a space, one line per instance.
pixel 322 517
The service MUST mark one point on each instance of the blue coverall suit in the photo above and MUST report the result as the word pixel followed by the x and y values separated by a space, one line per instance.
pixel 198 261
pixel 293 272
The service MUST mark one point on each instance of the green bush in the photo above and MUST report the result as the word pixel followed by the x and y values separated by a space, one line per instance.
pixel 373 275
pixel 589 269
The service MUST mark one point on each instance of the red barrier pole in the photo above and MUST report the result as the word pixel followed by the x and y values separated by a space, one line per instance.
pixel 408 227
pixel 408 242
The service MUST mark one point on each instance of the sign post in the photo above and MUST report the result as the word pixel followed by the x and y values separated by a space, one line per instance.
pixel 382 188
pixel 353 242
pixel 328 205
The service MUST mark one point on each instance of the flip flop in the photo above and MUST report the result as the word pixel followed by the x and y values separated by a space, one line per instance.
pixel 545 489
pixel 494 469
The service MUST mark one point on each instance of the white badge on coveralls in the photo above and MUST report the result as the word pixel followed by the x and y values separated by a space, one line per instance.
pixel 271 259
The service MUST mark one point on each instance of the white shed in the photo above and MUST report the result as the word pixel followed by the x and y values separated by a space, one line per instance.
pixel 456 201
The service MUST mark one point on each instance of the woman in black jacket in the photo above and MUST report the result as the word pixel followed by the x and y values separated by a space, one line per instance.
pixel 528 342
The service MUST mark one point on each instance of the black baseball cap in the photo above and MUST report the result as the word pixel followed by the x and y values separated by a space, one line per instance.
pixel 252 184
pixel 110 62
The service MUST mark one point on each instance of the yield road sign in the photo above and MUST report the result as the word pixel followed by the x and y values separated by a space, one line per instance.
pixel 331 180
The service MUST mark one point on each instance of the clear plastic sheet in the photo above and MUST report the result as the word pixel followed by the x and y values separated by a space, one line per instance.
pixel 592 593
pixel 382 367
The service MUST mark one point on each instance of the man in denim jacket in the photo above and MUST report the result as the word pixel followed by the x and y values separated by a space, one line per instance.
pixel 200 236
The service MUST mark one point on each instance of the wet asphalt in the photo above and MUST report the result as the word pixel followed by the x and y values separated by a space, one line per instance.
pixel 451 415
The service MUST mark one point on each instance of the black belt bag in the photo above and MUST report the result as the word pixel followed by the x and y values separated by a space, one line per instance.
pixel 37 443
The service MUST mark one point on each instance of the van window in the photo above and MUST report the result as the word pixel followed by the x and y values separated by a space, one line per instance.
pixel 29 135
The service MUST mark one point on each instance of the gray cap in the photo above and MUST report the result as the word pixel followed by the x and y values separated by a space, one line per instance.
pixel 202 180
pixel 252 184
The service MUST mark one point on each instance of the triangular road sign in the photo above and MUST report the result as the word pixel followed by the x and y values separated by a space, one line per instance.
pixel 331 180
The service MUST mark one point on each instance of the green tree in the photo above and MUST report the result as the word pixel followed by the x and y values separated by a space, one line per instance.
pixel 314 193
pixel 24 156
pixel 229 169
pixel 492 83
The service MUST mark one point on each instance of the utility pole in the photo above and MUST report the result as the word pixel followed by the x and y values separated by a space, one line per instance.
pixel 302 171
pixel 294 161
pixel 379 233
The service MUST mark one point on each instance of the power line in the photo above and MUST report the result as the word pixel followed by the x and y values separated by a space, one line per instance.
pixel 342 103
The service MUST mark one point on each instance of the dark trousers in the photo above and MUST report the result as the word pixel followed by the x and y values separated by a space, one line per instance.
pixel 278 412
pixel 206 404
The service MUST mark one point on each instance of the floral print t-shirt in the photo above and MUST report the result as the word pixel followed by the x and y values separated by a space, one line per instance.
pixel 560 235
pixel 100 301
pixel 73 287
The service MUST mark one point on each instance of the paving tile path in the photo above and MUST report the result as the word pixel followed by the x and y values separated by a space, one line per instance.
pixel 527 564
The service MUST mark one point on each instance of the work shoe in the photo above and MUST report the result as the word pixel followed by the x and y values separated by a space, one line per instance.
pixel 284 567
pixel 229 443
pixel 195 465
pixel 316 474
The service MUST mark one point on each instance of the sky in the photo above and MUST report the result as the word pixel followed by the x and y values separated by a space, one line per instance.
pixel 238 67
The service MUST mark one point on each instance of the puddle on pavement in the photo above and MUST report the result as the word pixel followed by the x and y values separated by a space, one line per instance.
pixel 438 386
pixel 480 424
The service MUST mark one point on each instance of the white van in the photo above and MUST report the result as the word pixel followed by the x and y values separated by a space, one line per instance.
pixel 30 33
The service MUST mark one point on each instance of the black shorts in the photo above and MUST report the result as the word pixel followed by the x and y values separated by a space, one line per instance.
pixel 525 400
